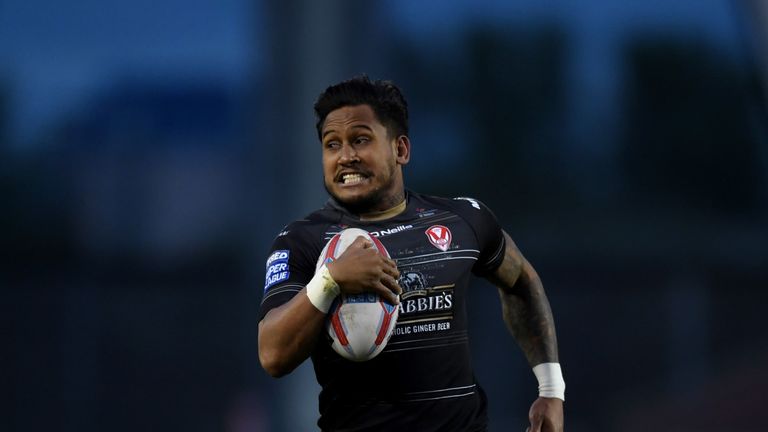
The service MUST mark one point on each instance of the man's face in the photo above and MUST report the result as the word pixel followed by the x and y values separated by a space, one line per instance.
pixel 360 160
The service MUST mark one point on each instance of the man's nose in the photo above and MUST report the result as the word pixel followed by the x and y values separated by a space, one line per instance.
pixel 348 154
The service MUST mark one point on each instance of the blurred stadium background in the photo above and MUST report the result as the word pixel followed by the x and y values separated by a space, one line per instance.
pixel 150 151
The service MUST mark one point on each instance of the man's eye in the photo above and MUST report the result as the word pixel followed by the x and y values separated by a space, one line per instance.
pixel 332 144
pixel 362 140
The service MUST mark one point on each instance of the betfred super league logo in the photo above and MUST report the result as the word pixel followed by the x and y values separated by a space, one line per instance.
pixel 439 236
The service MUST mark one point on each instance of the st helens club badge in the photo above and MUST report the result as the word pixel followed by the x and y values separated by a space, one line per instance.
pixel 439 236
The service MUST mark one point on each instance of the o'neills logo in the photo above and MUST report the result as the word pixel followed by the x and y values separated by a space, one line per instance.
pixel 439 236
pixel 394 230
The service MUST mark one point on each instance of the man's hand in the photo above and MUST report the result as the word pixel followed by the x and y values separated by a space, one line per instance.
pixel 362 268
pixel 546 415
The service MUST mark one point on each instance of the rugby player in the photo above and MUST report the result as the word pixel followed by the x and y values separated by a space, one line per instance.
pixel 423 380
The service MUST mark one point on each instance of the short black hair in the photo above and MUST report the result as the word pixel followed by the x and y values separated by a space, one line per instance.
pixel 384 97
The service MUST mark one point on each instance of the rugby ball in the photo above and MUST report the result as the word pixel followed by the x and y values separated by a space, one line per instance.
pixel 359 325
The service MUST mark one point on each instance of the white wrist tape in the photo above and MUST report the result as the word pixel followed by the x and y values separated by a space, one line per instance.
pixel 551 382
pixel 322 290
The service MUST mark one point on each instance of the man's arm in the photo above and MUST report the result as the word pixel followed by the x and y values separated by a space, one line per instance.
pixel 288 333
pixel 529 318
pixel 525 306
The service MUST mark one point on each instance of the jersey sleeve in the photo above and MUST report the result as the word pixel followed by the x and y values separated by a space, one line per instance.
pixel 289 267
pixel 489 234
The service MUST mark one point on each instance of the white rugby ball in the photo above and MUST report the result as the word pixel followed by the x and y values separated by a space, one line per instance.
pixel 359 325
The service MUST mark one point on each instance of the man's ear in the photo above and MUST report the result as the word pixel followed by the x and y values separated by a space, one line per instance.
pixel 402 150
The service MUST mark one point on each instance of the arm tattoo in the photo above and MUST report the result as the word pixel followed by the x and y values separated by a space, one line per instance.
pixel 525 306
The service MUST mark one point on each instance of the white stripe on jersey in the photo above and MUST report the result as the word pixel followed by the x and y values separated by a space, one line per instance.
pixel 442 397
pixel 438 253
pixel 443 390
pixel 462 335
pixel 425 347
pixel 281 289
pixel 436 260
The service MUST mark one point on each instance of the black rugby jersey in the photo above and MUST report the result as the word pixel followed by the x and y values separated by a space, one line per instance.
pixel 422 381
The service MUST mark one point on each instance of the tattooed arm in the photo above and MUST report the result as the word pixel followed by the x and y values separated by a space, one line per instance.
pixel 529 318
pixel 525 306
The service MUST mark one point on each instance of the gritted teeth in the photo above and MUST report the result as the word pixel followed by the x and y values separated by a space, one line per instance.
pixel 352 178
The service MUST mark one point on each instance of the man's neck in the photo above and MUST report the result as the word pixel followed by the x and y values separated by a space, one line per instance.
pixel 384 214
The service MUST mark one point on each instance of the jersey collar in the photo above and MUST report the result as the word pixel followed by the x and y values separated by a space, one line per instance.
pixel 337 206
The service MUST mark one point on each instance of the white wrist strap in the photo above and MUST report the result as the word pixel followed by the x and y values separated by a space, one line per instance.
pixel 551 382
pixel 322 290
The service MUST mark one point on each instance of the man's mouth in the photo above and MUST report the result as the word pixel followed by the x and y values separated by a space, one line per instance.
pixel 350 179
